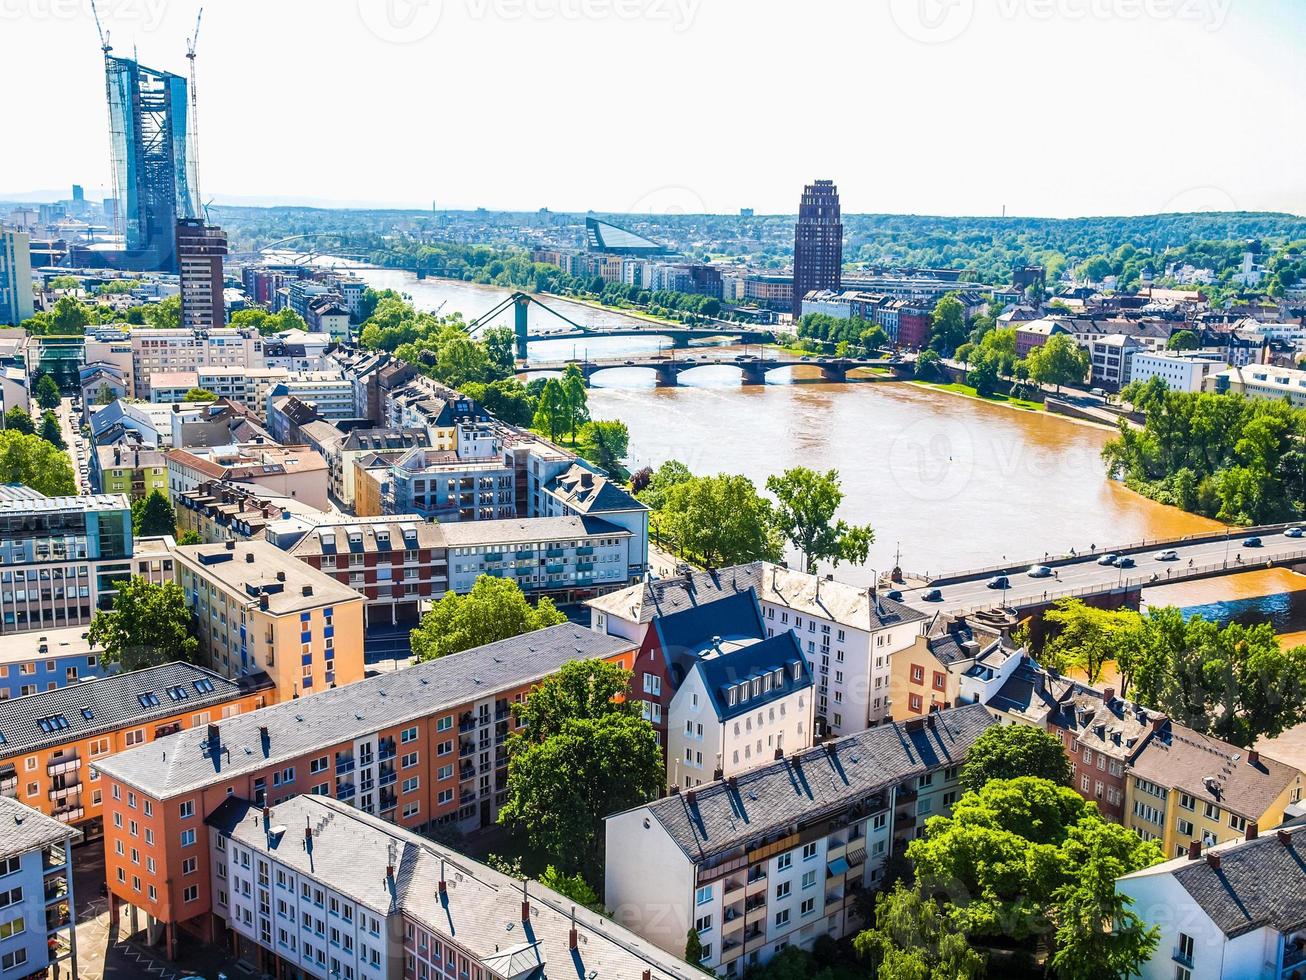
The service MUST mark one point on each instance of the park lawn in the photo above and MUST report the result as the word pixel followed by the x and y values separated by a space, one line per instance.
pixel 968 391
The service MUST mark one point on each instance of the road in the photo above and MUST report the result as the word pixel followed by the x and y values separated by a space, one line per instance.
pixel 1200 558
pixel 78 448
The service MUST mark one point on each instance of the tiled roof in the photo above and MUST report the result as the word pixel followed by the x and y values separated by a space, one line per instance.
pixel 59 716
pixel 23 829
pixel 588 492
pixel 377 439
pixel 182 762
pixel 817 781
pixel 1257 883
pixel 481 909
pixel 755 660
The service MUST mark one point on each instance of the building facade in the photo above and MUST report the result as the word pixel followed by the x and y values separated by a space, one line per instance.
pixel 15 278
pixel 818 242
pixel 36 885
pixel 200 251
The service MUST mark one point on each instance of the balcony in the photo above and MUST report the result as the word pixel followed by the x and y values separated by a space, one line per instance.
pixel 584 551
pixel 1294 955
pixel 524 555
pixel 344 765
pixel 61 766
pixel 466 772
pixel 555 553
pixel 733 891
pixel 388 802
pixel 386 750
pixel 57 917
pixel 465 798
pixel 345 792
pixel 465 749
pixel 730 948
pixel 52 859
pixel 56 889
pixel 69 814
pixel 64 792
pixel 388 776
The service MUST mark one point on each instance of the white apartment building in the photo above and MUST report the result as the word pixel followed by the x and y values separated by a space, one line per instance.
pixel 1180 370
pixel 328 391
pixel 542 554
pixel 773 857
pixel 172 350
pixel 1111 358
pixel 1261 381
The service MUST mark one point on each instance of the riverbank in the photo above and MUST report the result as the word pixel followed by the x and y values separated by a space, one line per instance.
pixel 634 314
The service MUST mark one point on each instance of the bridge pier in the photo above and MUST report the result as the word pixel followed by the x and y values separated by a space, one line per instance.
pixel 833 373
pixel 667 376
pixel 752 374
pixel 521 317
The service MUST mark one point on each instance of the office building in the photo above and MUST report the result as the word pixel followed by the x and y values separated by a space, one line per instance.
pixel 52 738
pixel 15 277
pixel 200 250
pixel 1180 370
pixel 165 351
pixel 36 881
pixel 424 747
pixel 775 856
pixel 153 162
pixel 258 609
pixel 818 242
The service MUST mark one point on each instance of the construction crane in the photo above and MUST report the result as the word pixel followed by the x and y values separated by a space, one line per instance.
pixel 194 114
pixel 114 162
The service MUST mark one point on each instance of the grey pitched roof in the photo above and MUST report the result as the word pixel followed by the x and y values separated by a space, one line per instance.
pixel 590 492
pixel 23 829
pixel 183 762
pixel 55 717
pixel 1260 882
pixel 816 782
pixel 481 909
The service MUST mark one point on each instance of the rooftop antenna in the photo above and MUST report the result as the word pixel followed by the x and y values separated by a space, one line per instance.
pixel 194 117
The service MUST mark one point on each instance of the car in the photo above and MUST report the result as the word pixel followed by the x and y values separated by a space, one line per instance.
pixel 999 582
pixel 806 358
pixel 895 595
pixel 1108 559
pixel 630 362
pixel 1168 555
pixel 1124 561
pixel 933 595
pixel 1292 532
pixel 1252 542
pixel 1039 571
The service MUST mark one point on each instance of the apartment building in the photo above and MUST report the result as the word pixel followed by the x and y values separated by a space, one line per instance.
pixel 43 660
pixel 1184 786
pixel 330 392
pixel 1260 381
pixel 358 443
pixel 182 349
pixel 774 856
pixel 445 486
pixel 1180 370
pixel 848 635
pixel 312 887
pixel 1226 912
pixel 36 884
pixel 60 557
pixel 1111 358
pixel 200 252
pixel 15 277
pixel 129 469
pixel 247 386
pixel 424 747
pixel 286 471
pixel 51 739
pixel 559 485
pixel 260 610
pixel 221 511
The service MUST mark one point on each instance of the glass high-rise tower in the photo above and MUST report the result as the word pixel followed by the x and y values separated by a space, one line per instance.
pixel 818 242
pixel 153 162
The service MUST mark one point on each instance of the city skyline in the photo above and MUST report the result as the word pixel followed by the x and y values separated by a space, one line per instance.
pixel 401 71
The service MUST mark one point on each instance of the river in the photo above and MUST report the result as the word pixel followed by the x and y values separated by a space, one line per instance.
pixel 947 482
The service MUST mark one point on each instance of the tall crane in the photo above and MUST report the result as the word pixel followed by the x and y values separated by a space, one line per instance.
pixel 194 113
pixel 114 142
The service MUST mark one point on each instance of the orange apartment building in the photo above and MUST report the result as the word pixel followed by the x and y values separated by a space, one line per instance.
pixel 423 747
pixel 49 740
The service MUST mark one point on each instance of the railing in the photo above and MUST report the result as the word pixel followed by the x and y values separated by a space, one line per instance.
pixel 344 766
pixel 60 766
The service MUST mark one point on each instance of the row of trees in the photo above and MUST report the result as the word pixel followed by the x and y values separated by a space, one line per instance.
pixel 70 316
pixel 1234 682
pixel 1236 459
pixel 17 420
pixel 854 333
pixel 723 520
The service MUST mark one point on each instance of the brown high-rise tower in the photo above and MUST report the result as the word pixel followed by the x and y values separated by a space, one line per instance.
pixel 818 242
pixel 200 249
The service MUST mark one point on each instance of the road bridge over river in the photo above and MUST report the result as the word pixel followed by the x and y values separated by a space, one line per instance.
pixel 753 369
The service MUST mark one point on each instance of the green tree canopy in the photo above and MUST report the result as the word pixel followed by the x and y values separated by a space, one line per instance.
pixel 147 625
pixel 1059 361
pixel 668 475
pixel 199 395
pixel 720 519
pixel 575 400
pixel 1011 751
pixel 18 420
pixel 268 323
pixel 606 443
pixel 1182 340
pixel 947 325
pixel 51 432
pixel 152 515
pixel 805 514
pixel 33 462
pixel 47 392
pixel 552 415
pixel 912 939
pixel 495 609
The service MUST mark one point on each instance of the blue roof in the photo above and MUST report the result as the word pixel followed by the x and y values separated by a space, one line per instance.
pixel 771 662
pixel 684 636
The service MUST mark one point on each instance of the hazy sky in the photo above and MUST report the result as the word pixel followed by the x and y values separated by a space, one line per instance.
pixel 1049 107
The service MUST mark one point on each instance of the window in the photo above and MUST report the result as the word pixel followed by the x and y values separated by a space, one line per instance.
pixel 784 862
pixel 187 838
pixel 188 866
pixel 782 890
pixel 12 928
pixel 782 917
pixel 191 893
pixel 809 880
pixel 12 959
pixel 808 906
pixel 703 924
pixel 8 866
pixel 1184 949
pixel 187 809
pixel 408 735
pixel 917 674
pixel 703 895
pixel 809 851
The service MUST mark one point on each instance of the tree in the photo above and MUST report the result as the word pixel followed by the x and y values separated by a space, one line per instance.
pixel 153 516
pixel 693 948
pixel 268 323
pixel 928 365
pixel 1011 751
pixel 147 625
pixel 947 324
pixel 461 359
pixel 912 938
pixel 500 345
pixel 495 609
pixel 575 399
pixel 68 317
pixel 668 475
pixel 47 392
pixel 640 479
pixel 35 463
pixel 580 689
pixel 551 413
pixel 1059 361
pixel 805 514
pixel 189 537
pixel 574 887
pixel 64 283
pixel 606 443
pixel 51 431
pixel 1183 340
pixel 199 395
pixel 17 420
pixel 721 520
pixel 1086 637
pixel 163 315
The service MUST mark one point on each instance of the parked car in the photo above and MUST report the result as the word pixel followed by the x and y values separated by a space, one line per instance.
pixel 1039 571
pixel 999 582
pixel 1168 555
pixel 1124 561
pixel 933 595
pixel 895 595
pixel 1252 542
pixel 1292 532
pixel 1109 559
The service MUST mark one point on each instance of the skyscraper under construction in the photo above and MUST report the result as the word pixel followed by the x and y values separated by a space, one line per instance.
pixel 818 242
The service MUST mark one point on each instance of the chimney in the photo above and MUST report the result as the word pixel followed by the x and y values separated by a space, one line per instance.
pixel 281 576
pixel 1157 722
pixel 263 601
pixel 249 558
pixel 308 834
pixel 444 887
pixel 231 545
pixel 648 975
pixel 1285 838
pixel 1253 830
pixel 779 754
pixel 525 903
pixel 1213 860
pixel 1253 758
pixel 308 590
pixel 718 774
pixel 267 814
pixel 572 937
pixel 214 741
pixel 1108 695
pixel 389 871
pixel 691 797
pixel 1194 850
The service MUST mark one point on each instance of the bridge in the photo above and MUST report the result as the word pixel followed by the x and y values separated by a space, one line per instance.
pixel 753 370
pixel 1083 576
